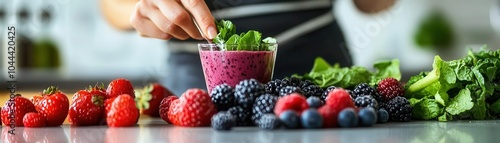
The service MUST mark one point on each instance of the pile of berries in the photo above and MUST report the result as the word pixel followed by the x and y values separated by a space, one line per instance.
pixel 114 106
pixel 296 103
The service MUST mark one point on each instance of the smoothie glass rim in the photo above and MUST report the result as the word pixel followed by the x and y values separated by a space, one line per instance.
pixel 222 47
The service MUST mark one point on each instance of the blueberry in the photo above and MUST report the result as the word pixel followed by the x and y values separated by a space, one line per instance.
pixel 367 116
pixel 223 121
pixel 311 118
pixel 348 118
pixel 314 102
pixel 383 116
pixel 290 119
pixel 269 122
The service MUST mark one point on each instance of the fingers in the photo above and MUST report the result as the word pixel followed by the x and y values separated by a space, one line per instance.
pixel 168 27
pixel 176 13
pixel 202 15
pixel 146 27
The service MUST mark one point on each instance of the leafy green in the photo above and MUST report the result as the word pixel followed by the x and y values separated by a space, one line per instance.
pixel 425 108
pixel 248 41
pixel 324 75
pixel 466 88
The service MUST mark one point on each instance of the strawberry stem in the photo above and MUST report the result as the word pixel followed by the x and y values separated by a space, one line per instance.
pixel 97 100
pixel 50 90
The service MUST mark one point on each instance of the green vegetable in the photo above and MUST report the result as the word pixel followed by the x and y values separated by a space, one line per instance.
pixel 324 75
pixel 466 88
pixel 247 41
pixel 434 32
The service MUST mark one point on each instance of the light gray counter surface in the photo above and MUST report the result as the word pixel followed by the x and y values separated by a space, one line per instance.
pixel 154 130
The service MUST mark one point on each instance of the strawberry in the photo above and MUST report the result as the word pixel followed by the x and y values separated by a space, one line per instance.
pixel 148 99
pixel 294 101
pixel 33 119
pixel 107 107
pixel 16 107
pixel 118 87
pixel 193 109
pixel 123 112
pixel 164 106
pixel 339 99
pixel 53 105
pixel 87 107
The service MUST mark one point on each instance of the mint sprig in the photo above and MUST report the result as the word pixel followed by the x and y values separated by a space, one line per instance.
pixel 246 41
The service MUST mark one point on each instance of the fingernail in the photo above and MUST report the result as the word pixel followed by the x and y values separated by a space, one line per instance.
pixel 211 32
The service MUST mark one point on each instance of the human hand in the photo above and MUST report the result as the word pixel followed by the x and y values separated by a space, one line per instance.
pixel 166 19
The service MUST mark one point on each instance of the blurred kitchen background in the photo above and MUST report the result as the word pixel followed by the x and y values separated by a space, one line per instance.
pixel 73 46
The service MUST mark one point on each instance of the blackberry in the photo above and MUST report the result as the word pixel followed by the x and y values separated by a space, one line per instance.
pixel 275 86
pixel 246 91
pixel 223 121
pixel 326 91
pixel 263 104
pixel 241 115
pixel 366 101
pixel 399 109
pixel 365 89
pixel 312 90
pixel 295 81
pixel 269 122
pixel 306 83
pixel 223 97
pixel 289 90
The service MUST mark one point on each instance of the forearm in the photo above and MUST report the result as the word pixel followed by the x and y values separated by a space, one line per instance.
pixel 373 6
pixel 117 12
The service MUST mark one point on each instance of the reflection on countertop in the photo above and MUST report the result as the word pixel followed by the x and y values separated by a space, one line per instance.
pixel 151 130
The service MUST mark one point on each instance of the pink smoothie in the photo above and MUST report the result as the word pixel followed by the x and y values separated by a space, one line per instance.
pixel 231 67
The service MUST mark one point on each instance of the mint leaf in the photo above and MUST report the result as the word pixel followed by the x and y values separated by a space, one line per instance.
pixel 226 30
pixel 232 42
pixel 250 41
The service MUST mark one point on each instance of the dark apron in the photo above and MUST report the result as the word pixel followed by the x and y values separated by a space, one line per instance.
pixel 294 56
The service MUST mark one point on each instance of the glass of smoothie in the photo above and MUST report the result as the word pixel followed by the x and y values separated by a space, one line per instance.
pixel 221 65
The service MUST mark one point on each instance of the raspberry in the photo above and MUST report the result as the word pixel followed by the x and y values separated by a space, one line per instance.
pixel 390 88
pixel 164 106
pixel 326 91
pixel 263 104
pixel 223 97
pixel 338 99
pixel 241 115
pixel 312 90
pixel 365 89
pixel 366 101
pixel 399 109
pixel 193 109
pixel 293 101
pixel 246 91
pixel 223 121
pixel 329 116
pixel 289 90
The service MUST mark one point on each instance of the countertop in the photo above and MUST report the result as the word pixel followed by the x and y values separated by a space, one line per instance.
pixel 153 130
